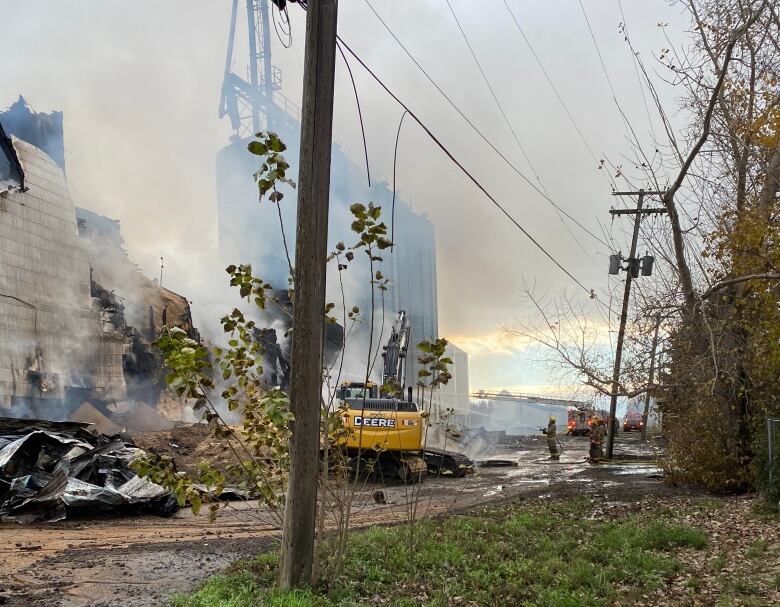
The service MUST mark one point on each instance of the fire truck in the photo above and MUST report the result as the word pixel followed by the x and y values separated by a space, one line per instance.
pixel 578 423
pixel 580 419
pixel 633 421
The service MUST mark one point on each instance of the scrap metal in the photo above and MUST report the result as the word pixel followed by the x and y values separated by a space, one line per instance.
pixel 50 469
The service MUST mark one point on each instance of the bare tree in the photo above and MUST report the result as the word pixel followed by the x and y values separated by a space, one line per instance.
pixel 717 281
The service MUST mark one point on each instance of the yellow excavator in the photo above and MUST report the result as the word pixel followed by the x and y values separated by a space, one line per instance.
pixel 387 432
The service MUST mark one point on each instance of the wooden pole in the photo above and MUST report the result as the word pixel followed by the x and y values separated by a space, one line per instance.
pixel 612 424
pixel 650 379
pixel 637 212
pixel 309 304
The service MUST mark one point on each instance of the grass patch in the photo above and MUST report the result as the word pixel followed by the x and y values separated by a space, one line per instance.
pixel 538 555
pixel 757 549
pixel 243 590
pixel 767 509
pixel 710 505
pixel 718 563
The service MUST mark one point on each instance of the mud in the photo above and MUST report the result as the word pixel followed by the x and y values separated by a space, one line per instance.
pixel 141 561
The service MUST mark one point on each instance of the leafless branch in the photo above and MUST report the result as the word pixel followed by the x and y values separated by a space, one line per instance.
pixel 733 281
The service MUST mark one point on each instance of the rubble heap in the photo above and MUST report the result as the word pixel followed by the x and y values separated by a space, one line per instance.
pixel 48 469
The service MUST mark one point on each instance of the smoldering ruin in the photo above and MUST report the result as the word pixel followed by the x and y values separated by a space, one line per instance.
pixel 78 317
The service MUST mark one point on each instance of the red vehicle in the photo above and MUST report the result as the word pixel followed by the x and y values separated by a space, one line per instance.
pixel 633 421
pixel 579 422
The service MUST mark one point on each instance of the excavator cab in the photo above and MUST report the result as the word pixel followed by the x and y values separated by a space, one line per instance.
pixel 357 389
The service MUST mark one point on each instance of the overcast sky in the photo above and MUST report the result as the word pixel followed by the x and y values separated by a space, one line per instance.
pixel 139 82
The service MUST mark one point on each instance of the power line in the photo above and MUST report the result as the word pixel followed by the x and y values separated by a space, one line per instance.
pixel 360 114
pixel 395 162
pixel 598 52
pixel 509 124
pixel 590 292
pixel 392 212
pixel 554 88
pixel 480 134
pixel 636 70
pixel 285 26
pixel 606 75
pixel 463 169
pixel 493 93
pixel 574 123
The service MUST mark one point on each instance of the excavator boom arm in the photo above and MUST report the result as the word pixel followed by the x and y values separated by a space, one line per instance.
pixel 395 352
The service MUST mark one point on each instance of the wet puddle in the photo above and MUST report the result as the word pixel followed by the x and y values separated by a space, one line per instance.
pixel 498 489
pixel 633 469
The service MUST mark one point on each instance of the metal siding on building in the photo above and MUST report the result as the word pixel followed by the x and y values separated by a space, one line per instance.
pixel 46 319
pixel 249 233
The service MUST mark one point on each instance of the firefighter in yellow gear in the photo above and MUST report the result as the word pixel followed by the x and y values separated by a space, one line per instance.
pixel 597 433
pixel 552 441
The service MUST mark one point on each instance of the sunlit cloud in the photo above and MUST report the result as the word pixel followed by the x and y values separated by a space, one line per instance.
pixel 492 343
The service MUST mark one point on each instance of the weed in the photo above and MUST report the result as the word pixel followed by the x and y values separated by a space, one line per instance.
pixel 694 584
pixel 766 509
pixel 659 536
pixel 718 563
pixel 742 586
pixel 241 590
pixel 710 505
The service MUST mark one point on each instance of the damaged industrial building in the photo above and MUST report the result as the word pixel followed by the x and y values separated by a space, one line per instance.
pixel 252 100
pixel 77 317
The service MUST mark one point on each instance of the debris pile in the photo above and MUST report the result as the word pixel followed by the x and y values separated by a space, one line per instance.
pixel 49 469
pixel 189 445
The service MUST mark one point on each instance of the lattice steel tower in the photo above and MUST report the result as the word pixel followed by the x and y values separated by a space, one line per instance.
pixel 248 101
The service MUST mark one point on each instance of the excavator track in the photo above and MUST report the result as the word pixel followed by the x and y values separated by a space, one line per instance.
pixel 447 463
pixel 411 469
pixel 408 467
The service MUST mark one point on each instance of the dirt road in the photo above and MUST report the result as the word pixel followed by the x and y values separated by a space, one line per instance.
pixel 140 561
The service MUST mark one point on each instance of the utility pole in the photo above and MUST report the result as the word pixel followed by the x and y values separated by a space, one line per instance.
pixel 161 269
pixel 646 414
pixel 309 304
pixel 632 271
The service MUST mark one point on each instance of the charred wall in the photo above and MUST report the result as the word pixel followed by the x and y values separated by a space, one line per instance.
pixel 46 311
pixel 77 317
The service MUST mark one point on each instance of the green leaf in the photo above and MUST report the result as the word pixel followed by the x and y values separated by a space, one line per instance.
pixel 257 148
pixel 276 144
pixel 424 346
pixel 383 243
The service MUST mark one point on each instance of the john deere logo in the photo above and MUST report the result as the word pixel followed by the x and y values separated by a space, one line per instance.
pixel 376 422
